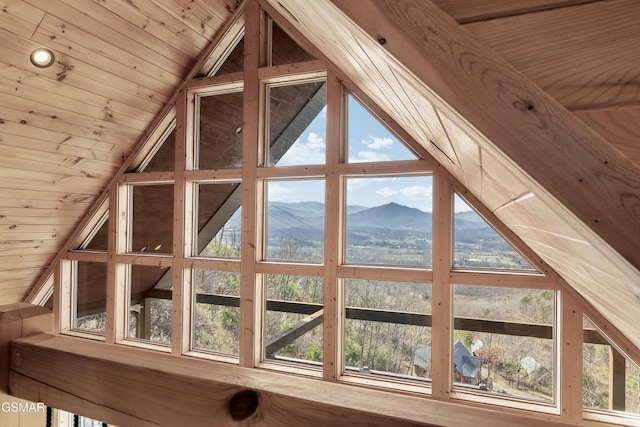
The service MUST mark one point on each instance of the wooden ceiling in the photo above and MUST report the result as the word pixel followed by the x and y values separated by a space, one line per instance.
pixel 66 130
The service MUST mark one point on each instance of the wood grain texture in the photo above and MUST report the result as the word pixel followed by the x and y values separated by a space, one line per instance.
pixel 619 126
pixel 465 11
pixel 200 391
pixel 582 180
pixel 586 63
pixel 66 130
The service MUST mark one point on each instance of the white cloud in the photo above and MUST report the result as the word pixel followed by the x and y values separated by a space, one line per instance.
pixel 315 141
pixel 376 143
pixel 387 192
pixel 370 156
pixel 416 192
pixel 310 151
pixel 279 192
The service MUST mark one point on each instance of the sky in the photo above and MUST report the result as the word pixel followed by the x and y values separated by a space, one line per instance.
pixel 368 141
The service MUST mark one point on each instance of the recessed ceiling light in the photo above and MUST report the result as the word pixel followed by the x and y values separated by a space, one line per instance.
pixel 42 58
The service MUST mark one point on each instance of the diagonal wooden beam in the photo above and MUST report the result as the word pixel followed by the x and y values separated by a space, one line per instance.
pixel 558 185
pixel 142 388
pixel 294 332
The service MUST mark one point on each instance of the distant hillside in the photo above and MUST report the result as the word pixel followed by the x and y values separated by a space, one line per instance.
pixel 391 215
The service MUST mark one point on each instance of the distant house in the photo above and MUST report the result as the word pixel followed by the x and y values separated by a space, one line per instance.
pixel 466 365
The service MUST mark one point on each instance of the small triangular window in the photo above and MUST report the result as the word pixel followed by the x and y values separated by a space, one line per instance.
pixel 368 140
pixel 477 245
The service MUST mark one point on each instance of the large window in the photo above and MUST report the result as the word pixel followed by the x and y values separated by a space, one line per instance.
pixel 291 229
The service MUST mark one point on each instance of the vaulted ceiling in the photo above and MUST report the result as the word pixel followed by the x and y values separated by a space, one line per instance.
pixel 66 130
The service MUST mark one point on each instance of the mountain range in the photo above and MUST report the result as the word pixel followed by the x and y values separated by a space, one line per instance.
pixel 308 217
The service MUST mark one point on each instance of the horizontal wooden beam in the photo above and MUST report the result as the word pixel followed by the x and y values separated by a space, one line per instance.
pixel 314 312
pixel 16 321
pixel 136 387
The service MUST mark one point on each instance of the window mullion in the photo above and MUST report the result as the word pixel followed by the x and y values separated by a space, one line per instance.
pixel 180 328
pixel 250 288
pixel 441 305
pixel 332 325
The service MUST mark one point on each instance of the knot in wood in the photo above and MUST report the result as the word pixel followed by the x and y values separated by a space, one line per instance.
pixel 243 404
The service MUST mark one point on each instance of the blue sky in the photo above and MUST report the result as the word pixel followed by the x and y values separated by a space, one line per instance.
pixel 368 141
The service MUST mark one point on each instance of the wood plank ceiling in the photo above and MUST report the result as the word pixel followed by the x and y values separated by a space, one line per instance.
pixel 66 130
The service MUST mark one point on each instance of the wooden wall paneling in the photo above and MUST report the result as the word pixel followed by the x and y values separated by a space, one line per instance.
pixel 252 137
pixel 81 45
pixel 119 32
pixel 142 146
pixel 619 126
pixel 464 11
pixel 37 91
pixel 153 387
pixel 160 22
pixel 27 158
pixel 215 12
pixel 42 88
pixel 21 18
pixel 82 76
pixel 53 119
pixel 593 61
pixel 20 261
pixel 14 133
pixel 196 17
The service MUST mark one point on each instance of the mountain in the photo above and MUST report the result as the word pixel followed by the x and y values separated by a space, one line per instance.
pixel 469 219
pixel 392 215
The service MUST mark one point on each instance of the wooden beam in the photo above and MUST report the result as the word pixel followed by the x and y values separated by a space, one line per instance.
pixel 464 11
pixel 294 332
pixel 141 387
pixel 16 321
pixel 411 56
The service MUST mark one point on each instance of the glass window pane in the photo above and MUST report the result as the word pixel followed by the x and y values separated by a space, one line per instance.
pixel 297 124
pixel 164 157
pixel 295 221
pixel 234 62
pixel 293 319
pixel 610 381
pixel 218 220
pixel 150 303
pixel 388 328
pixel 369 141
pixel 503 341
pixel 479 246
pixel 389 221
pixel 217 311
pixel 90 297
pixel 284 50
pixel 98 242
pixel 152 219
pixel 220 125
